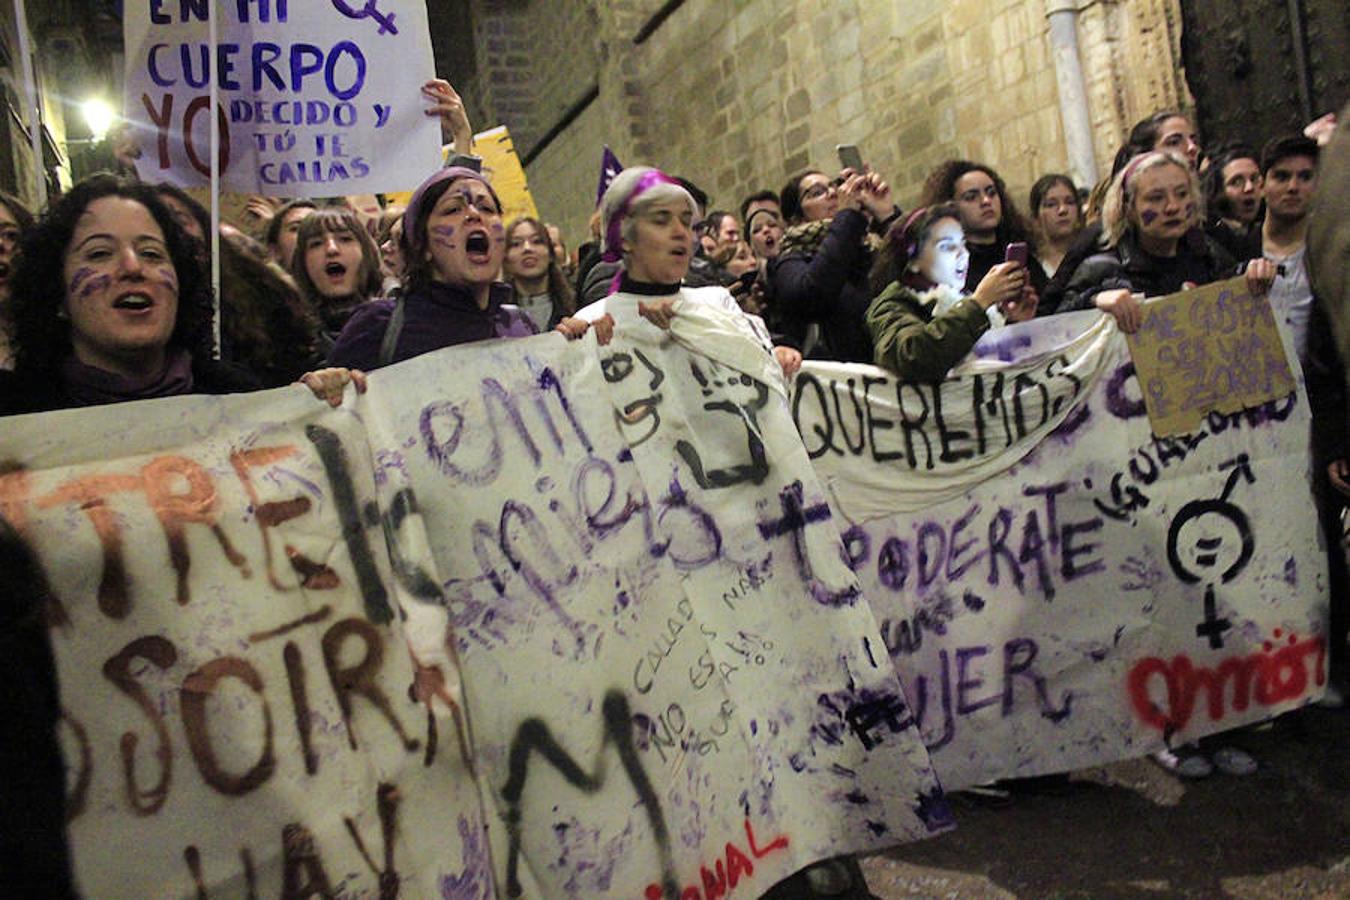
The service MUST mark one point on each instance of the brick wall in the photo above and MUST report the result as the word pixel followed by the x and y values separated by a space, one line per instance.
pixel 737 94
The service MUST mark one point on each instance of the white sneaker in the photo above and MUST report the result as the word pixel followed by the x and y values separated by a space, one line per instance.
pixel 1185 763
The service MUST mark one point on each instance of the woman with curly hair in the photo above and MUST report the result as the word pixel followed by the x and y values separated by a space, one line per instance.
pixel 111 303
pixel 989 217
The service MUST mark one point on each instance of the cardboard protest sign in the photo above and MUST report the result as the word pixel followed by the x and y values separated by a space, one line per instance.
pixel 309 102
pixel 1214 348
pixel 237 716
pixel 673 678
pixel 502 166
pixel 1107 592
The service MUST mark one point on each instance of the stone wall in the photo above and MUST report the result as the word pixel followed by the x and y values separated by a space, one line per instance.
pixel 735 95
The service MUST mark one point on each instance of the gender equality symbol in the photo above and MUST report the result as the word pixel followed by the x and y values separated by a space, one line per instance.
pixel 1217 538
pixel 369 11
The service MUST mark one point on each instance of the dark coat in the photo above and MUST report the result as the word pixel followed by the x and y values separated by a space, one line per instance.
pixel 35 392
pixel 916 345
pixel 1126 266
pixel 828 288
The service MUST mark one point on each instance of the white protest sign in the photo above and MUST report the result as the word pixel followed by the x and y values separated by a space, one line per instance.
pixel 315 99
pixel 1107 591
pixel 673 678
pixel 234 673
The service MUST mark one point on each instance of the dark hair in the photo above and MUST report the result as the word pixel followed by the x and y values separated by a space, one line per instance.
pixel 41 334
pixel 904 241
pixel 1216 201
pixel 758 197
pixel 790 197
pixel 1286 146
pixel 712 223
pixel 564 300
pixel 21 215
pixel 336 219
pixel 1143 137
pixel 274 226
pixel 940 187
pixel 264 324
pixel 198 211
pixel 699 195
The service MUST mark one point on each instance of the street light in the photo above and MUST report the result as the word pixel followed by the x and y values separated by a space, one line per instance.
pixel 99 116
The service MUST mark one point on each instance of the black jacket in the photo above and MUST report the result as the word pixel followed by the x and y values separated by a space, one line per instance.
pixel 35 392
pixel 1198 260
pixel 828 288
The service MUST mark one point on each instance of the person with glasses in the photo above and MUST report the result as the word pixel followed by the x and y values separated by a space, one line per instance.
pixel 819 279
pixel 989 217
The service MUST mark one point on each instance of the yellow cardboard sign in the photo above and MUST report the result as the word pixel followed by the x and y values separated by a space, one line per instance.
pixel 1215 348
pixel 502 167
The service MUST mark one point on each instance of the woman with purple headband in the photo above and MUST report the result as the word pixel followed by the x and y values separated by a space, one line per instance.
pixel 455 244
pixel 647 221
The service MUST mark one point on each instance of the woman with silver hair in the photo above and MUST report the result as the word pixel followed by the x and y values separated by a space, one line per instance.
pixel 1152 245
pixel 647 221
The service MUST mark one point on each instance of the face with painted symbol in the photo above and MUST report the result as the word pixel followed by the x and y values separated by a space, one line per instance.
pixel 466 242
pixel 121 288
pixel 1164 204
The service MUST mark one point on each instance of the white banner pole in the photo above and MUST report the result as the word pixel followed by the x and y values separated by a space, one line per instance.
pixel 214 126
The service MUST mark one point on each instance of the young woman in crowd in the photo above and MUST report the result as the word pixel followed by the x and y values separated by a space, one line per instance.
pixel 538 286
pixel 647 219
pixel 989 217
pixel 1152 244
pixel 337 268
pixel 1059 218
pixel 819 277
pixel 112 303
pixel 455 245
pixel 264 326
pixel 387 232
pixel 923 322
pixel 1166 130
pixel 1233 197
pixel 15 220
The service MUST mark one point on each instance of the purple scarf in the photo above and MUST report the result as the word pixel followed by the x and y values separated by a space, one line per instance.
pixel 90 386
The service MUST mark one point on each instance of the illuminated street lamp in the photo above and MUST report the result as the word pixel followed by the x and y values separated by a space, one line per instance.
pixel 99 116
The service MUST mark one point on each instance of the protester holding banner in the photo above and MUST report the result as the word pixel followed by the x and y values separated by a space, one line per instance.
pixel 1153 244
pixel 455 247
pixel 648 224
pixel 923 323
pixel 14 221
pixel 112 304
pixel 337 268
pixel 538 285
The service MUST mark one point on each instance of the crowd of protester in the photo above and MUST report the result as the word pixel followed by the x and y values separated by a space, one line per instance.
pixel 107 297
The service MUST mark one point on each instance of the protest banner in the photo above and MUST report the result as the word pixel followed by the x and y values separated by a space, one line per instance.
pixel 1091 597
pixel 309 103
pixel 1214 348
pixel 616 561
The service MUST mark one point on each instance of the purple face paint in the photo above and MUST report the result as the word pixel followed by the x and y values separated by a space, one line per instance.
pixel 97 283
pixel 1190 210
pixel 168 278
pixel 1148 217
pixel 82 274
pixel 441 236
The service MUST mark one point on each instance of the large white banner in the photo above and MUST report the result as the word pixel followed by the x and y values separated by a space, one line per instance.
pixel 529 618
pixel 1087 597
pixel 318 98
